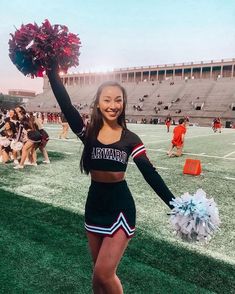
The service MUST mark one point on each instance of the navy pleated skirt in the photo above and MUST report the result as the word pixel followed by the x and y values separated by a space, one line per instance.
pixel 110 207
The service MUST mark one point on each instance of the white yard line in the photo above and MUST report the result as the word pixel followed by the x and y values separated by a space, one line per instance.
pixel 152 136
pixel 186 138
pixel 228 178
pixel 156 142
pixel 53 128
pixel 227 155
pixel 65 140
pixel 212 156
pixel 158 167
pixel 162 167
pixel 68 153
pixel 196 154
pixel 167 168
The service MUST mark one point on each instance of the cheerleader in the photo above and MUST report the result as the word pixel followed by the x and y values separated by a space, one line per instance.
pixel 65 126
pixel 30 135
pixel 7 136
pixel 44 140
pixel 110 213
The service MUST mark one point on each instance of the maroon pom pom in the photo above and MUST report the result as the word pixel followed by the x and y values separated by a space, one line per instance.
pixel 33 49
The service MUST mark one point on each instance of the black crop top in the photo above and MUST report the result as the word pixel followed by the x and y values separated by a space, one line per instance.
pixel 114 157
pixel 110 157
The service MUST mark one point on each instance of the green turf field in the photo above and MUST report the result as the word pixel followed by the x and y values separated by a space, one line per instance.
pixel 43 247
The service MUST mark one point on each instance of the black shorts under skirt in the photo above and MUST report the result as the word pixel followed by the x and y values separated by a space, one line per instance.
pixel 34 136
pixel 110 207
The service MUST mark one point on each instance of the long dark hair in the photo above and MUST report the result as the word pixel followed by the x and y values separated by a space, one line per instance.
pixel 12 127
pixel 96 123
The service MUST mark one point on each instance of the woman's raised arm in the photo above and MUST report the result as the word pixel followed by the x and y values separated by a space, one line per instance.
pixel 72 115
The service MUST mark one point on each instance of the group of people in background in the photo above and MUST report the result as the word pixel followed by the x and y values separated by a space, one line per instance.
pixel 21 134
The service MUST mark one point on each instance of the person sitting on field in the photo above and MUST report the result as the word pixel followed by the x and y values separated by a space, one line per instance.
pixel 6 137
pixel 178 139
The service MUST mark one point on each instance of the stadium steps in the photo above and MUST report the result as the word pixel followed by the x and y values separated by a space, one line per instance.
pixel 215 96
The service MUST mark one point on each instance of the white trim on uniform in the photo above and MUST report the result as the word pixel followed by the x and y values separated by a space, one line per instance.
pixel 121 222
pixel 137 150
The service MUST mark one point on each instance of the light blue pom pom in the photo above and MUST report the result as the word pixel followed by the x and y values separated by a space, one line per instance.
pixel 195 217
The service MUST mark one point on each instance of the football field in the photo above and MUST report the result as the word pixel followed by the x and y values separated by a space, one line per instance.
pixel 43 247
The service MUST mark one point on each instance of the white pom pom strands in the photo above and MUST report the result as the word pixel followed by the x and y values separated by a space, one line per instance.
pixel 195 217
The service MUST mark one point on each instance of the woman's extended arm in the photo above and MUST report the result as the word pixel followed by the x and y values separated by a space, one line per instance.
pixel 153 178
pixel 72 115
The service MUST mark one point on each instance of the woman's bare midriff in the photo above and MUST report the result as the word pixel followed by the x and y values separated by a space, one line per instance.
pixel 107 176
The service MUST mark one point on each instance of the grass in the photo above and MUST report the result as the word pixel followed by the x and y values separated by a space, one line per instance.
pixel 44 250
pixel 42 239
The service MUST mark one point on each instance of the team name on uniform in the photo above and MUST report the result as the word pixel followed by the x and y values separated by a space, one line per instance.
pixel 109 153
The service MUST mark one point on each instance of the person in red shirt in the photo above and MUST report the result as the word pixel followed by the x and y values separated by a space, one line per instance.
pixel 217 125
pixel 168 123
pixel 178 139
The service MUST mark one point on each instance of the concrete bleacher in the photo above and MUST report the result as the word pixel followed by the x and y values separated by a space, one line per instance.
pixel 201 99
pixel 222 96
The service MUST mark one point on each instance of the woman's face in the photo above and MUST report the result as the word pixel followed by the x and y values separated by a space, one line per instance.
pixel 111 103
pixel 7 126
pixel 17 110
pixel 11 113
pixel 19 113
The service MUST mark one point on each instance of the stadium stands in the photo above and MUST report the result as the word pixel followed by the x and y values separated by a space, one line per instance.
pixel 200 92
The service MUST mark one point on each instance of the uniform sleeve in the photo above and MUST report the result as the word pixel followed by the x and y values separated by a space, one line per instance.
pixel 70 112
pixel 150 174
pixel 2 125
pixel 19 132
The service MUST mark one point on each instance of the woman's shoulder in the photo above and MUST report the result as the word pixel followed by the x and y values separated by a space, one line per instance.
pixel 131 137
pixel 129 132
pixel 3 133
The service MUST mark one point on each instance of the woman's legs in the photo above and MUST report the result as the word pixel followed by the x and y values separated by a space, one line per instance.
pixel 5 156
pixel 33 155
pixel 45 154
pixel 95 242
pixel 25 151
pixel 64 132
pixel 177 153
pixel 106 254
pixel 170 150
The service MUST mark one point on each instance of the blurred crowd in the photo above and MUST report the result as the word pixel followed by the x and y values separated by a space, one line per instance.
pixel 21 134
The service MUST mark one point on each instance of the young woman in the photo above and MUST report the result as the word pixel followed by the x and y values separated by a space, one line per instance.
pixel 44 140
pixel 6 137
pixel 65 126
pixel 110 210
pixel 31 136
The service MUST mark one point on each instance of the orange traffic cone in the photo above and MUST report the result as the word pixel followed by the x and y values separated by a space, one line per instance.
pixel 192 167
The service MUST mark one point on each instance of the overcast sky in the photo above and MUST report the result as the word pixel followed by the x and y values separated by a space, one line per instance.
pixel 126 33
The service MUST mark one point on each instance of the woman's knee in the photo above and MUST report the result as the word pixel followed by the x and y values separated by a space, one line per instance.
pixel 102 274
